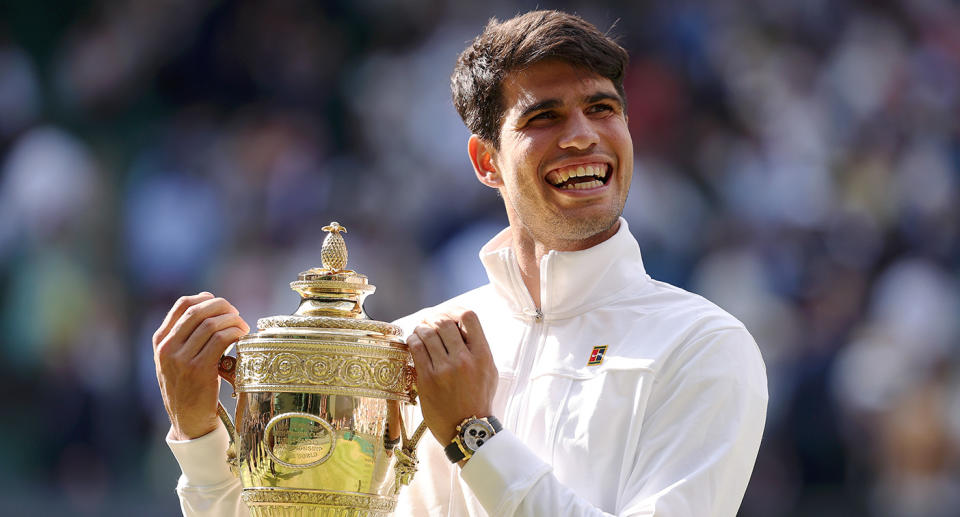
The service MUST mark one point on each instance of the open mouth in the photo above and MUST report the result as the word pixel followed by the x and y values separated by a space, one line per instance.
pixel 580 177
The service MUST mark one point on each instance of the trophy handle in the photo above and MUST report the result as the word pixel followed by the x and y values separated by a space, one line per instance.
pixel 406 465
pixel 227 368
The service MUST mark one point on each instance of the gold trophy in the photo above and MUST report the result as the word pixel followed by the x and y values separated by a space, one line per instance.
pixel 316 394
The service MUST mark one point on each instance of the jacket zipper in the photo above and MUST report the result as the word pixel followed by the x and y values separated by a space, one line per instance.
pixel 528 353
pixel 530 348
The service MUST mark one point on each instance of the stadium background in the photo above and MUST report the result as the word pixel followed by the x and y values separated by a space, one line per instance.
pixel 796 162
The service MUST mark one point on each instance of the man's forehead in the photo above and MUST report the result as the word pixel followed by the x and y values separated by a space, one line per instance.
pixel 555 81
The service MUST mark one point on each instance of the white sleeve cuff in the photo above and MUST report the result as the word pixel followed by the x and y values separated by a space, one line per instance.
pixel 502 472
pixel 203 460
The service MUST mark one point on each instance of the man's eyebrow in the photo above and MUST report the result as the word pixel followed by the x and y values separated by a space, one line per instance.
pixel 542 105
pixel 554 103
pixel 603 96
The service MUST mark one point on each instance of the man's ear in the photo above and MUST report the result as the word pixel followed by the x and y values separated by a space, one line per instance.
pixel 481 156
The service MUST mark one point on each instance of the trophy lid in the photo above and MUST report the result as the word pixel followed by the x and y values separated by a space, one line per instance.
pixel 331 296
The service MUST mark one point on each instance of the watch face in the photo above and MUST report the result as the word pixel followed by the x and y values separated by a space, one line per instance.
pixel 475 433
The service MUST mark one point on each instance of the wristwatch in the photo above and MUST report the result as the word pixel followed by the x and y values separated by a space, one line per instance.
pixel 471 434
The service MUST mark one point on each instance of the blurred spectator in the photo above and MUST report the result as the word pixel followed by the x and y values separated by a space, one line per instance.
pixel 796 162
pixel 19 91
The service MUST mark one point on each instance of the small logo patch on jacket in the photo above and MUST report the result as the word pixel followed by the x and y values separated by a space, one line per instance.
pixel 596 355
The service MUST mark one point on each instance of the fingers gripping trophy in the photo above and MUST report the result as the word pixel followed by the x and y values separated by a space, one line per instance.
pixel 318 393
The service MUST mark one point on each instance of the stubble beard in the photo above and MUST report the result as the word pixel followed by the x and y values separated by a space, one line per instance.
pixel 559 231
pixel 583 228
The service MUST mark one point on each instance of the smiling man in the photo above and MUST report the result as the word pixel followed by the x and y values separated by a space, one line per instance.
pixel 563 159
pixel 571 384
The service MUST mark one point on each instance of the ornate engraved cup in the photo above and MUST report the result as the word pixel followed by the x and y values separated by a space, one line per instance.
pixel 317 394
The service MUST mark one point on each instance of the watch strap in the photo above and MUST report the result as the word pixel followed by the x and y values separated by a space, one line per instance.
pixel 453 452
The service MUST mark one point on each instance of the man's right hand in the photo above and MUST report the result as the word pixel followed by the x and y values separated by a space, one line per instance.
pixel 186 350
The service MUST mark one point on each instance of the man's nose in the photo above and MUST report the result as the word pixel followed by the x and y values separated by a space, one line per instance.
pixel 579 133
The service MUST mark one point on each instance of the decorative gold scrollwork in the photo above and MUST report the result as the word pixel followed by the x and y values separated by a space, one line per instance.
pixel 320 503
pixel 381 371
pixel 286 366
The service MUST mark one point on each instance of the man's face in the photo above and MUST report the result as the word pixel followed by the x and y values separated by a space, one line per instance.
pixel 565 157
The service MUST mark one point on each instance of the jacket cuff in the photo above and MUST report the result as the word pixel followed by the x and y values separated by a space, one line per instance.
pixel 502 472
pixel 203 460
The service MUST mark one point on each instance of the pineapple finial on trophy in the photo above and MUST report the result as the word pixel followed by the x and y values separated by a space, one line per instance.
pixel 333 254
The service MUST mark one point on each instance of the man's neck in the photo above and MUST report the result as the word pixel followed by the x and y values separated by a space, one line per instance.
pixel 530 251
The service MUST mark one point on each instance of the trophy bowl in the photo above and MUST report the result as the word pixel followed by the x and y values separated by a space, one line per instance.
pixel 318 416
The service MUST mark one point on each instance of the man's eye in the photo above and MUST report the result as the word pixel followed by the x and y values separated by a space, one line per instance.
pixel 546 115
pixel 600 108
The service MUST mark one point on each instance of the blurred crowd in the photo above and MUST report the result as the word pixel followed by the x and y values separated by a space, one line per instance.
pixel 798 163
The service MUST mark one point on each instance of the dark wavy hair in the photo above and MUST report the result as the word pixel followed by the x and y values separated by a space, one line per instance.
pixel 520 42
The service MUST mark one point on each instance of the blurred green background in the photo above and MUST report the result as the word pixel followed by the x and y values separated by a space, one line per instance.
pixel 796 162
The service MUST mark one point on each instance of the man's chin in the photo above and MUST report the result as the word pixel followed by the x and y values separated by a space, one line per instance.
pixel 589 229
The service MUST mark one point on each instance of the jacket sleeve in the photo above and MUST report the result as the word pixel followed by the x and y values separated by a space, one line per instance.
pixel 699 439
pixel 207 487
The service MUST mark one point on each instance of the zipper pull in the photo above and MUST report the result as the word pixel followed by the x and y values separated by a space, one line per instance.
pixel 535 314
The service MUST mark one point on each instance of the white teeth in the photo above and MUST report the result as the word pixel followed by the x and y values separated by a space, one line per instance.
pixel 583 185
pixel 558 177
pixel 596 171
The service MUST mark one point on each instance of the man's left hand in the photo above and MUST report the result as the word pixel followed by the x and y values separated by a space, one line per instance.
pixel 456 375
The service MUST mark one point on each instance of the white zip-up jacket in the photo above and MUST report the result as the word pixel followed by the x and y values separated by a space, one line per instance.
pixel 665 421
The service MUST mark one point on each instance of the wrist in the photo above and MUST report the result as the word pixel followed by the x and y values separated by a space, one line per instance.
pixel 176 434
pixel 181 434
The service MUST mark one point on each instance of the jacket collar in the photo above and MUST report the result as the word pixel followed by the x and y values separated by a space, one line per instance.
pixel 571 282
